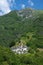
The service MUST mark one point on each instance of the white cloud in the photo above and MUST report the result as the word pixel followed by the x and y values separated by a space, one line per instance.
pixel 4 7
pixel 30 3
pixel 23 6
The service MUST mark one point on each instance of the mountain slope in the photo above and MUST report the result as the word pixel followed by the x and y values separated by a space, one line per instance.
pixel 18 23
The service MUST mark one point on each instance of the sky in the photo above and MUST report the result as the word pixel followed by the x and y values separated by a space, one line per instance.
pixel 8 5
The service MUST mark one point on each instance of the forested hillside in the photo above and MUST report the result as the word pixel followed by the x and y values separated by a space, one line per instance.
pixel 22 27
pixel 18 23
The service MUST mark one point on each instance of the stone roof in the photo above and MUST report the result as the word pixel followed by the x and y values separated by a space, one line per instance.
pixel 20 49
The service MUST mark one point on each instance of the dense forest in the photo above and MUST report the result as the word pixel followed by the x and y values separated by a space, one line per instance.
pixel 27 26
